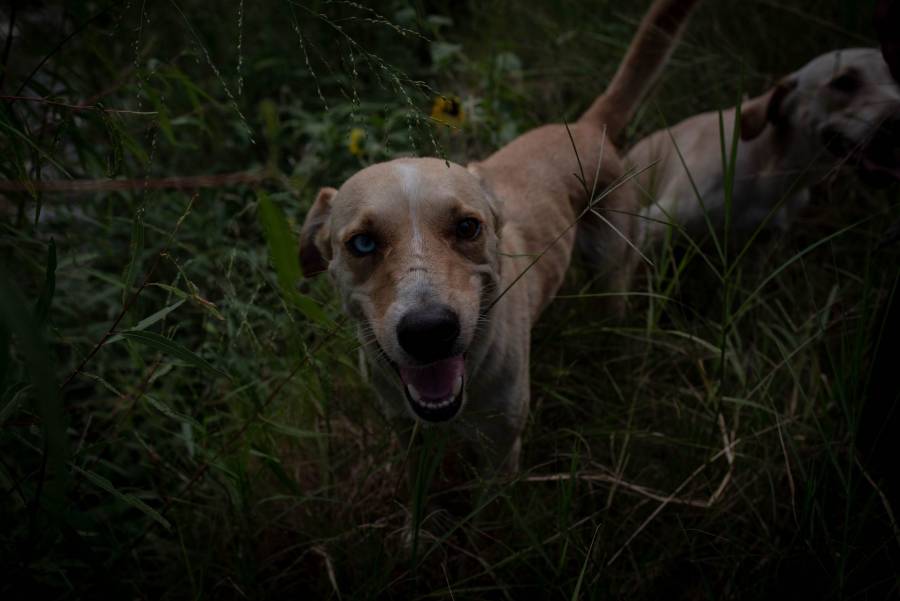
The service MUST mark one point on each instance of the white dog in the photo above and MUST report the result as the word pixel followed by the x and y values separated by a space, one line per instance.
pixel 842 108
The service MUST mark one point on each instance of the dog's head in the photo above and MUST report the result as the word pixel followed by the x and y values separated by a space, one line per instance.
pixel 412 247
pixel 845 100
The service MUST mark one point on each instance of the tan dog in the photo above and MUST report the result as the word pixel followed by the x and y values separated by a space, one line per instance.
pixel 842 107
pixel 422 249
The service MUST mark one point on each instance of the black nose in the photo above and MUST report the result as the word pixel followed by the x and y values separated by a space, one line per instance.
pixel 429 334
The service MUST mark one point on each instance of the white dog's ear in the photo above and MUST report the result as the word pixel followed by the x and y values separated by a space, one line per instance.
pixel 757 112
pixel 315 240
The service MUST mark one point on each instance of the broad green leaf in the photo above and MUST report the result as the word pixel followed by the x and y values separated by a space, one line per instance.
pixel 282 246
pixel 115 282
pixel 285 258
pixel 176 291
pixel 199 301
pixel 169 412
pixel 169 347
pixel 268 110
pixel 104 484
pixel 308 307
pixel 109 387
pixel 148 321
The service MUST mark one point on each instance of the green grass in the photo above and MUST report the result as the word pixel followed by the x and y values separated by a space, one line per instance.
pixel 178 420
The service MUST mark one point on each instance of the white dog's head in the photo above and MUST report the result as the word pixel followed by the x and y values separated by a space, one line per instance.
pixel 845 100
pixel 412 248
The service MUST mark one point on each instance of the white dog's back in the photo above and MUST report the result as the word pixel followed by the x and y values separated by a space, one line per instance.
pixel 811 123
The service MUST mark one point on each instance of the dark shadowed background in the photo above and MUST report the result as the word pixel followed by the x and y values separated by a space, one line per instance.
pixel 178 419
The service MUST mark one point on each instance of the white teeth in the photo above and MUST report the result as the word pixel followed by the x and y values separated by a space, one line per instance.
pixel 416 396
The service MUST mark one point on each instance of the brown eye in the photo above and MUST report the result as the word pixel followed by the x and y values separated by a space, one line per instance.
pixel 848 82
pixel 468 228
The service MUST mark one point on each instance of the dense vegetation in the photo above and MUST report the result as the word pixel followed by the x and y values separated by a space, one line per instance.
pixel 178 419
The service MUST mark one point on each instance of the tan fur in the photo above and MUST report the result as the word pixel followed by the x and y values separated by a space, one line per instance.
pixel 528 201
pixel 782 149
pixel 639 70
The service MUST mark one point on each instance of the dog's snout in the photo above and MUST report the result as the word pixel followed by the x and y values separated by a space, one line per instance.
pixel 429 334
pixel 883 149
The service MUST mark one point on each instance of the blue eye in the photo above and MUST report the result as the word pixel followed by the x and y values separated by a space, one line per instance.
pixel 361 245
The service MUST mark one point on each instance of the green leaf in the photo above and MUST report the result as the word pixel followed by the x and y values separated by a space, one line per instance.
pixel 285 258
pixel 282 246
pixel 293 432
pixel 268 110
pixel 308 307
pixel 104 484
pixel 198 301
pixel 171 348
pixel 5 362
pixel 137 247
pixel 274 465
pixel 148 321
pixel 176 291
pixel 587 558
pixel 17 396
pixel 42 307
pixel 17 318
pixel 443 53
pixel 40 150
pixel 169 412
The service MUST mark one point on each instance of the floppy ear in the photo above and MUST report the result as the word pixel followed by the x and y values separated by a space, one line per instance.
pixel 757 112
pixel 315 241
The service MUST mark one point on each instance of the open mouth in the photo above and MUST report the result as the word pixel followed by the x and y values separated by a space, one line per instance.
pixel 879 158
pixel 882 154
pixel 435 391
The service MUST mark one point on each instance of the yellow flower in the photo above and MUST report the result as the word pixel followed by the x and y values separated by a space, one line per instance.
pixel 448 110
pixel 357 135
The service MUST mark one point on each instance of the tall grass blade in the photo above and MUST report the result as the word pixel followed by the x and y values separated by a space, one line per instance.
pixel 587 559
pixel 42 307
pixel 136 249
pixel 131 500
pixel 17 319
pixel 148 321
pixel 171 348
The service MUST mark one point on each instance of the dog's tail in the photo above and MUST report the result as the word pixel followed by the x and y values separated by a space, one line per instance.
pixel 649 50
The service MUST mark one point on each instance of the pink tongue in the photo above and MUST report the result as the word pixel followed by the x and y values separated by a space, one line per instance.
pixel 435 381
